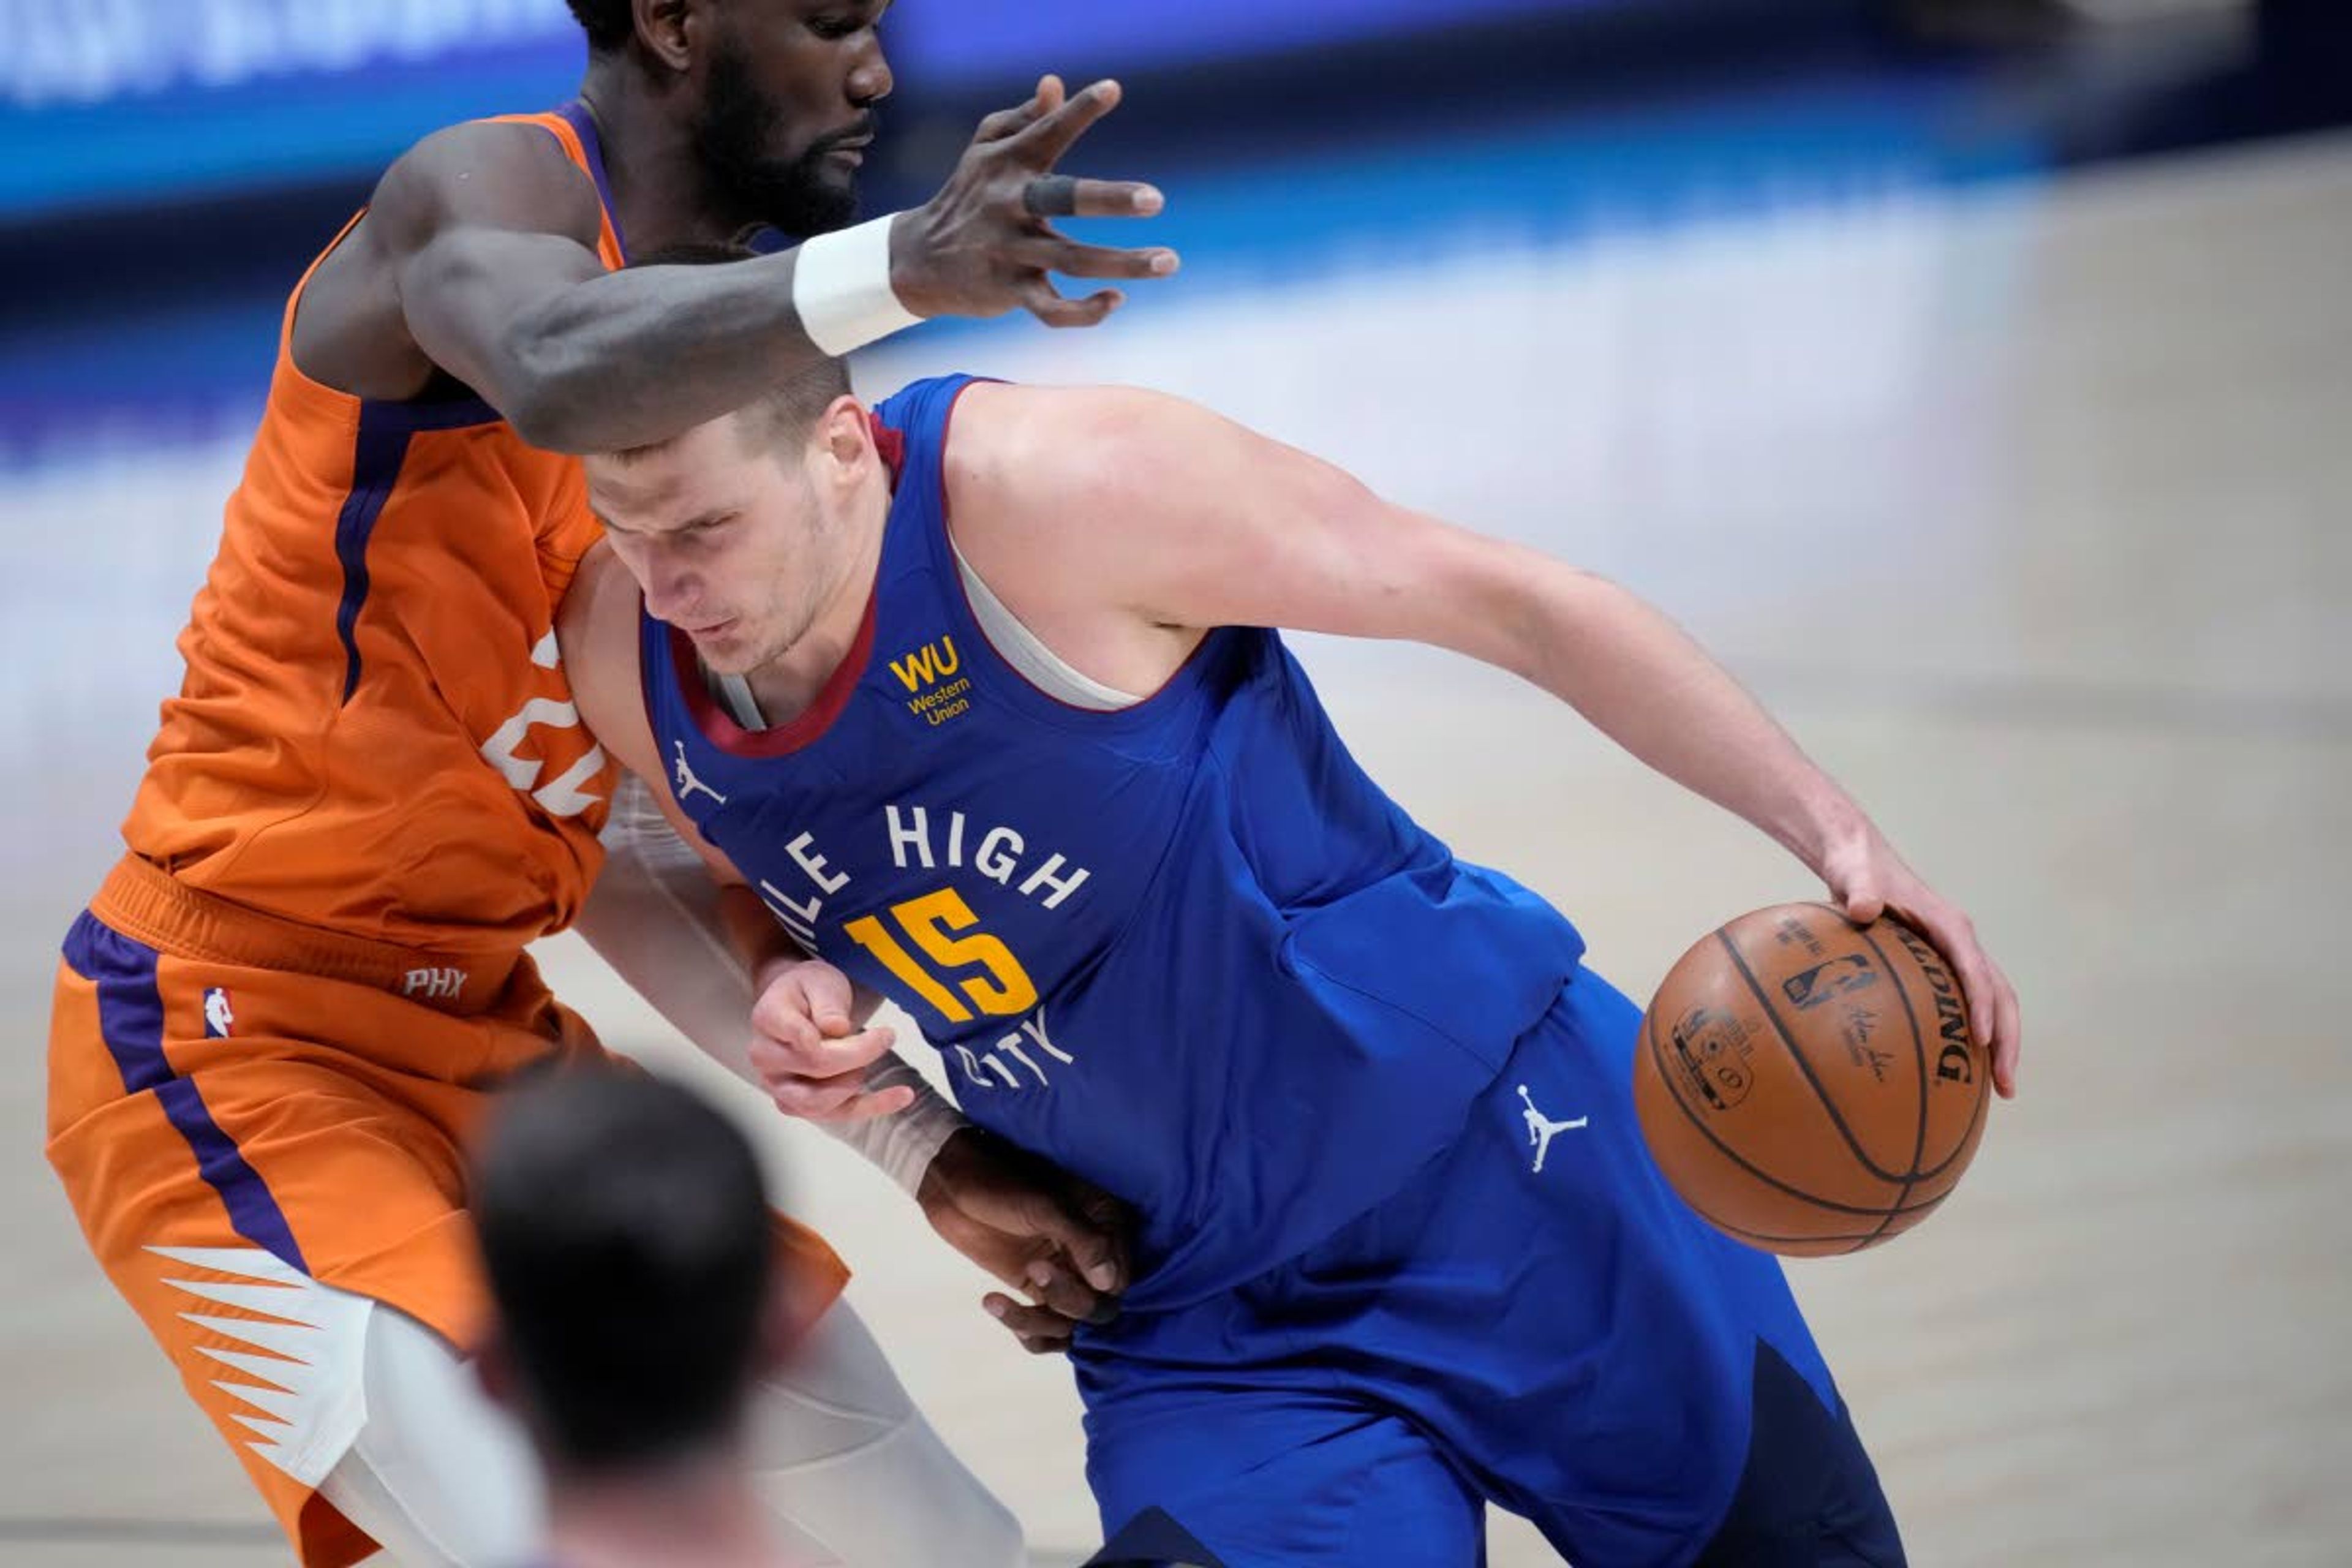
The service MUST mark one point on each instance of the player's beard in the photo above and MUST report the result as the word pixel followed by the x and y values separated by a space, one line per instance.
pixel 802 196
pixel 802 589
pixel 765 641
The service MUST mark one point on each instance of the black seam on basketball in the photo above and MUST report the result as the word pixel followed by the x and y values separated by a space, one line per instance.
pixel 1976 1114
pixel 1860 1239
pixel 1727 1151
pixel 1919 1051
pixel 1984 1102
pixel 1918 1048
pixel 1804 1066
pixel 1650 1027
pixel 1919 1054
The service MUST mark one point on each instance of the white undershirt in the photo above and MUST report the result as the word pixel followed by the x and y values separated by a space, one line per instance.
pixel 1025 651
pixel 1019 647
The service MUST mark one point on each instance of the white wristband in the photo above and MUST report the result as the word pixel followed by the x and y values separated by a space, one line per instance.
pixel 902 1145
pixel 841 287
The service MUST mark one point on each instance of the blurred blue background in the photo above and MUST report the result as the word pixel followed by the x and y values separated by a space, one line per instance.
pixel 170 165
pixel 121 101
pixel 108 104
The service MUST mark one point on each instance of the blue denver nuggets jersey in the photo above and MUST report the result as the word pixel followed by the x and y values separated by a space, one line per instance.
pixel 1186 950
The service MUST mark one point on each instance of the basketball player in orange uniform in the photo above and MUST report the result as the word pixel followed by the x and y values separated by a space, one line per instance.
pixel 288 1000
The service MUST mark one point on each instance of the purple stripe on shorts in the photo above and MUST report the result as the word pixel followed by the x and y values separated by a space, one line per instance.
pixel 131 1020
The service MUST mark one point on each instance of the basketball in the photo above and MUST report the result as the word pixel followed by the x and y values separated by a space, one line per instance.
pixel 1811 1087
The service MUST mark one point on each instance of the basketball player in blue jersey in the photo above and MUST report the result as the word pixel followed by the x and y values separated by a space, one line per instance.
pixel 1040 778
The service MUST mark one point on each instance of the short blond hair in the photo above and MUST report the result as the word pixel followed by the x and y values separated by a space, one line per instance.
pixel 780 418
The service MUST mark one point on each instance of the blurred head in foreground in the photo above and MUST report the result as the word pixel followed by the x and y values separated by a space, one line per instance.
pixel 628 1241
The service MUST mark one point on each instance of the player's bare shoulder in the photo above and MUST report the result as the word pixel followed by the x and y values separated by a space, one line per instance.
pixel 497 174
pixel 1016 476
pixel 1006 435
pixel 1069 504
pixel 1036 462
pixel 1096 478
pixel 352 330
pixel 596 636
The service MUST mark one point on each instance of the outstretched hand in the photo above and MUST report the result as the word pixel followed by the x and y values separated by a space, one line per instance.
pixel 984 245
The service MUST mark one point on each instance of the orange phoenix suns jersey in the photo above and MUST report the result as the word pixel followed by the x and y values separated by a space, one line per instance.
pixel 375 734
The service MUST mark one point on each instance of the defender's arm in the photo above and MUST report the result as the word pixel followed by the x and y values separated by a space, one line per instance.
pixel 488 236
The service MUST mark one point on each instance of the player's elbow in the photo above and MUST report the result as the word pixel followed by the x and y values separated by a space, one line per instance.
pixel 544 427
pixel 563 380
pixel 563 415
pixel 548 393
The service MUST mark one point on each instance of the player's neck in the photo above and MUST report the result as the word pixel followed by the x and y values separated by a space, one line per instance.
pixel 786 686
pixel 659 194
pixel 699 1515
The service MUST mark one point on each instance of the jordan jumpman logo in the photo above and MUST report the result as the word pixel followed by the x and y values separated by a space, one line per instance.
pixel 1541 1131
pixel 687 784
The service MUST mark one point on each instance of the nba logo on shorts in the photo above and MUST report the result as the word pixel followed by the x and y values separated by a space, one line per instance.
pixel 217 1015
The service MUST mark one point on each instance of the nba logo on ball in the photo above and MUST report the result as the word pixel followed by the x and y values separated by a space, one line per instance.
pixel 217 1015
pixel 1840 977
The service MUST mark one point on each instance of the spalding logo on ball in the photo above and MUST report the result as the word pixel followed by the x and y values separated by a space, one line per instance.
pixel 1810 1085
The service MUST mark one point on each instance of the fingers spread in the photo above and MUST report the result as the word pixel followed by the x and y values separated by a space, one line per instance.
pixel 1053 253
pixel 1044 142
pixel 1116 198
pixel 1049 307
pixel 1050 195
pixel 1066 195
pixel 1008 123
pixel 1004 122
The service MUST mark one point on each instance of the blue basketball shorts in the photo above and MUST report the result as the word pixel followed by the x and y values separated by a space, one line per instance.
pixel 1535 1320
